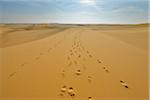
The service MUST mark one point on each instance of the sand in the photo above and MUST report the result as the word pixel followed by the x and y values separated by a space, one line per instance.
pixel 0 73
pixel 74 62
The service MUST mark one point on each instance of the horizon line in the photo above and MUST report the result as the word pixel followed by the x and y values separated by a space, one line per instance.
pixel 78 23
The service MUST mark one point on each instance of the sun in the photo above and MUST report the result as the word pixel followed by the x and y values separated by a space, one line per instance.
pixel 88 2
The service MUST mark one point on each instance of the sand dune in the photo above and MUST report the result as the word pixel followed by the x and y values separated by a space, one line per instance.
pixel 18 34
pixel 80 62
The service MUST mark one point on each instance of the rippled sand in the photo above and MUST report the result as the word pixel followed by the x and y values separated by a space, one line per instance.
pixel 74 62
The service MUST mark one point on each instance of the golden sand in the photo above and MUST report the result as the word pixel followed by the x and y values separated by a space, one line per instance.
pixel 74 62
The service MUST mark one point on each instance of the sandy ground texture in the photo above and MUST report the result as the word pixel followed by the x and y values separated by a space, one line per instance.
pixel 74 62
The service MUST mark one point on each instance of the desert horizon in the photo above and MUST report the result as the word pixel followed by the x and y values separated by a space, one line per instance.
pixel 74 49
pixel 74 62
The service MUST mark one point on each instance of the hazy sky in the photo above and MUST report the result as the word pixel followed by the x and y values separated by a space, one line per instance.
pixel 73 11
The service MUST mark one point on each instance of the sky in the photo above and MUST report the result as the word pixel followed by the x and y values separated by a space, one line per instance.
pixel 74 11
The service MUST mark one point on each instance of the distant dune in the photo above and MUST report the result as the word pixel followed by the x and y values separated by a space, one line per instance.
pixel 18 34
pixel 74 62
pixel 13 34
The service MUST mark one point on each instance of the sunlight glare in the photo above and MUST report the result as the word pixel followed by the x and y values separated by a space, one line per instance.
pixel 88 2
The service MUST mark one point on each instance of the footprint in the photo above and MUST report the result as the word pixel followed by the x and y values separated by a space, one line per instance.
pixel 70 64
pixel 90 98
pixel 99 61
pixel 68 58
pixel 37 58
pixel 79 56
pixel 75 52
pixel 90 56
pixel 70 50
pixel 74 48
pixel 63 73
pixel 41 54
pixel 89 79
pixel 64 89
pixel 104 67
pixel 78 72
pixel 87 52
pixel 61 94
pixel 49 49
pixel 75 62
pixel 12 74
pixel 83 48
pixel 84 67
pixel 23 64
pixel 107 70
pixel 124 84
pixel 121 81
pixel 71 92
pixel 71 54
